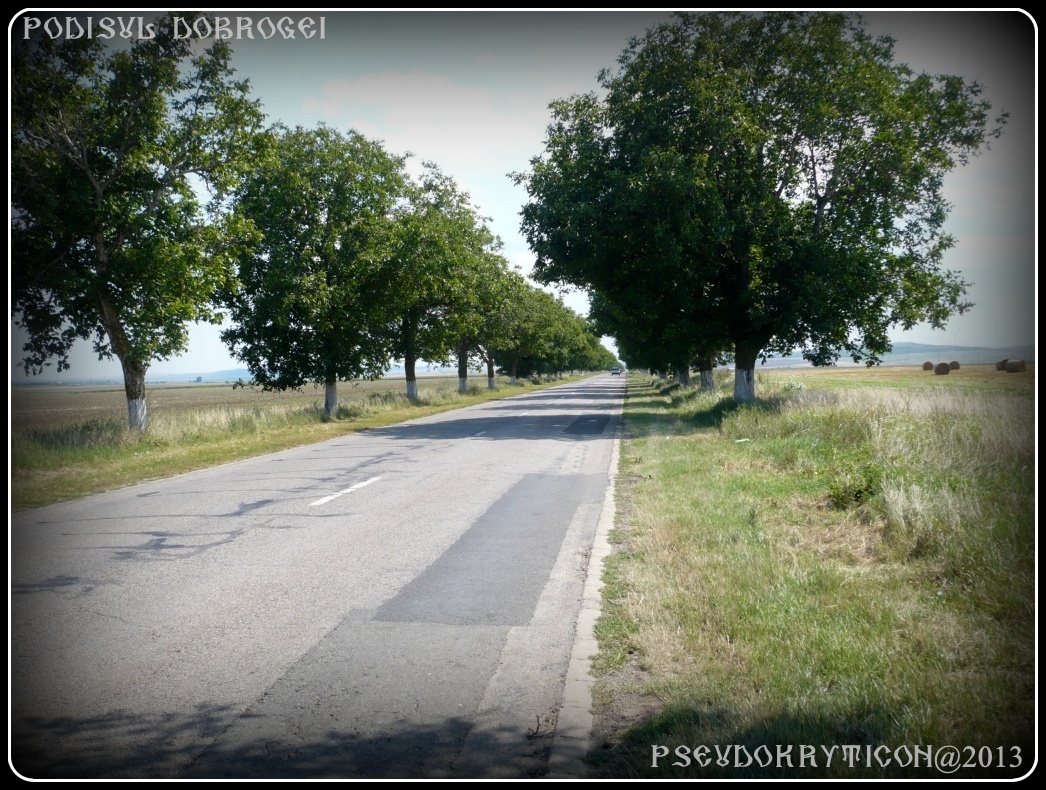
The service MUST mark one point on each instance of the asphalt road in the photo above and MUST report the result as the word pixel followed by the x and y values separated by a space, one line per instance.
pixel 396 603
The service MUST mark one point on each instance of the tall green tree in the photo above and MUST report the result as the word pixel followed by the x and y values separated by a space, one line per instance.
pixel 488 292
pixel 500 293
pixel 109 236
pixel 311 302
pixel 535 333
pixel 781 169
pixel 443 253
pixel 518 328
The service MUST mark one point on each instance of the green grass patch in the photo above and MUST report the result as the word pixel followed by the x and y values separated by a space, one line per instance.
pixel 828 566
pixel 615 628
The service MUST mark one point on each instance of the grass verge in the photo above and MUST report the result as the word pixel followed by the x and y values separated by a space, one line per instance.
pixel 831 566
pixel 71 443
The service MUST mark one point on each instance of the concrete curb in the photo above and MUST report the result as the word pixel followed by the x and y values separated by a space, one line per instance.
pixel 571 741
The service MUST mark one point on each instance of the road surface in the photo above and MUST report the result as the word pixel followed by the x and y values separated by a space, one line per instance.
pixel 395 603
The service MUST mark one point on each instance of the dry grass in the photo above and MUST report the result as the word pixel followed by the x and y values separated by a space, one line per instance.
pixel 849 560
pixel 68 442
pixel 50 407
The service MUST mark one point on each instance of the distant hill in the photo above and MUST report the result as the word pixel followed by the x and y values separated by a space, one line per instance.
pixel 918 353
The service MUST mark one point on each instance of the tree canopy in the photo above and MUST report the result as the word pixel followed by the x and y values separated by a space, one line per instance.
pixel 109 238
pixel 535 333
pixel 763 183
pixel 439 274
pixel 312 301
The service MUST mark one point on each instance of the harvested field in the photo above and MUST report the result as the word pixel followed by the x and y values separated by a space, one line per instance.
pixel 36 407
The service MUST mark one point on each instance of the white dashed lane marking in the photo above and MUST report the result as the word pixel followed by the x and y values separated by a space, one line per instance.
pixel 348 490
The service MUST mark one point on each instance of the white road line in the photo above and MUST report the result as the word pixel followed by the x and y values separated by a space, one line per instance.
pixel 479 433
pixel 348 490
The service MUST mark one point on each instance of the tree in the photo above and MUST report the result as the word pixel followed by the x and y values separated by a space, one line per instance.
pixel 108 234
pixel 657 328
pixel 519 328
pixel 498 296
pixel 779 169
pixel 312 300
pixel 488 291
pixel 443 252
pixel 536 333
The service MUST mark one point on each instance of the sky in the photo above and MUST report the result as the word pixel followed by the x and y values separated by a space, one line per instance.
pixel 470 91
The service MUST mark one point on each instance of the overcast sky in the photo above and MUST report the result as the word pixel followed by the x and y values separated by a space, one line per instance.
pixel 470 91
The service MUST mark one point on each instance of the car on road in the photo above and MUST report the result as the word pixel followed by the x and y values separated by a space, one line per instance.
pixel 615 371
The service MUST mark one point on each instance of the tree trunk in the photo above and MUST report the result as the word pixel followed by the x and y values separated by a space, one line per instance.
pixel 704 364
pixel 330 397
pixel 408 337
pixel 409 363
pixel 133 370
pixel 744 372
pixel 512 375
pixel 683 375
pixel 490 372
pixel 134 387
pixel 463 371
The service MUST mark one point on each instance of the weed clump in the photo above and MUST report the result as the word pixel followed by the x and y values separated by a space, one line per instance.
pixel 855 484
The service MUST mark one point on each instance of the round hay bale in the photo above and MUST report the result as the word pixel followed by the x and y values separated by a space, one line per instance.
pixel 927 366
pixel 942 369
pixel 1001 364
pixel 1015 366
pixel 953 365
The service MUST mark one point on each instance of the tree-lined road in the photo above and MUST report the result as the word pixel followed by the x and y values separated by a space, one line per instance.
pixel 399 602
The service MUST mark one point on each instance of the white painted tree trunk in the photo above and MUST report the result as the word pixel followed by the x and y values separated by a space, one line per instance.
pixel 412 389
pixel 707 380
pixel 744 385
pixel 330 398
pixel 137 417
pixel 512 380
pixel 133 369
pixel 463 370
pixel 491 383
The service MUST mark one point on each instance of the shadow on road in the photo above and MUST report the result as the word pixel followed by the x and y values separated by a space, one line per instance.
pixel 120 746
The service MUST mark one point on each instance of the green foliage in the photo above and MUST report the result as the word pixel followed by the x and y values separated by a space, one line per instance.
pixel 108 235
pixel 536 334
pixel 854 484
pixel 443 273
pixel 312 296
pixel 757 183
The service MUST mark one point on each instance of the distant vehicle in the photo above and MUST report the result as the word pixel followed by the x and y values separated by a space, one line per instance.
pixel 615 371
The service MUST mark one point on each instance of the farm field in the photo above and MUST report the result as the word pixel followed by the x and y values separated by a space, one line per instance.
pixel 849 562
pixel 980 378
pixel 42 406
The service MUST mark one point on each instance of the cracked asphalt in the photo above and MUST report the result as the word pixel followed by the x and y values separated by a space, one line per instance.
pixel 396 603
